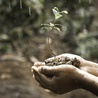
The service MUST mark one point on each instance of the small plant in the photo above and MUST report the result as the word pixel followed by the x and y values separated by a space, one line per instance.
pixel 52 25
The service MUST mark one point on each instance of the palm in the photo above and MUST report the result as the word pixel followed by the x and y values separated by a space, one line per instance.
pixel 61 80
pixel 64 84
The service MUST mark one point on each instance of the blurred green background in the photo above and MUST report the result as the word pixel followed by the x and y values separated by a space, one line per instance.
pixel 21 34
pixel 20 23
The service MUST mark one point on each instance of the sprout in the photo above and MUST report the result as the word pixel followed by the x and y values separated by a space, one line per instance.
pixel 57 13
pixel 52 25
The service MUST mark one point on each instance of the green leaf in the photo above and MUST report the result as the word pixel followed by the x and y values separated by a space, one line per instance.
pixel 56 13
pixel 47 28
pixel 65 12
pixel 58 29
pixel 51 24
pixel 55 8
pixel 45 25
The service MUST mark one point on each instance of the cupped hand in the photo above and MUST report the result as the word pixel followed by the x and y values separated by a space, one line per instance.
pixel 70 59
pixel 65 58
pixel 59 79
pixel 61 74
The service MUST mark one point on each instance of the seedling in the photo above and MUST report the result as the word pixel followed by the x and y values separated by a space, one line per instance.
pixel 57 60
pixel 53 26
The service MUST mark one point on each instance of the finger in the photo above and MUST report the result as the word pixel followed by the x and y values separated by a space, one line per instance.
pixel 41 76
pixel 56 70
pixel 49 70
pixel 39 80
pixel 44 81
pixel 37 64
pixel 32 69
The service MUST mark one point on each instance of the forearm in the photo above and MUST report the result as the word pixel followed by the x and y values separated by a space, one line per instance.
pixel 88 82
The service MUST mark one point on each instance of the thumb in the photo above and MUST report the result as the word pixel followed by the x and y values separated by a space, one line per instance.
pixel 48 70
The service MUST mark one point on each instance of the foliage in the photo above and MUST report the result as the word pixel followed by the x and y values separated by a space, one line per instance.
pixel 53 25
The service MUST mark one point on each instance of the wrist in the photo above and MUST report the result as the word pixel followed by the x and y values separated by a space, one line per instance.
pixel 87 81
pixel 90 67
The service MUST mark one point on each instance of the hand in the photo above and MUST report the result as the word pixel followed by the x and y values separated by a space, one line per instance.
pixel 66 58
pixel 59 79
pixel 61 74
pixel 71 59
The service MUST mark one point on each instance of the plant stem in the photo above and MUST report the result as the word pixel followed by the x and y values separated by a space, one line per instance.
pixel 48 44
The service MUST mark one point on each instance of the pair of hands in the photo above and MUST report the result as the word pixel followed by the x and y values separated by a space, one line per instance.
pixel 60 78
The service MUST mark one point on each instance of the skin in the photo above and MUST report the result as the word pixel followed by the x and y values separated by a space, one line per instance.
pixel 65 78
